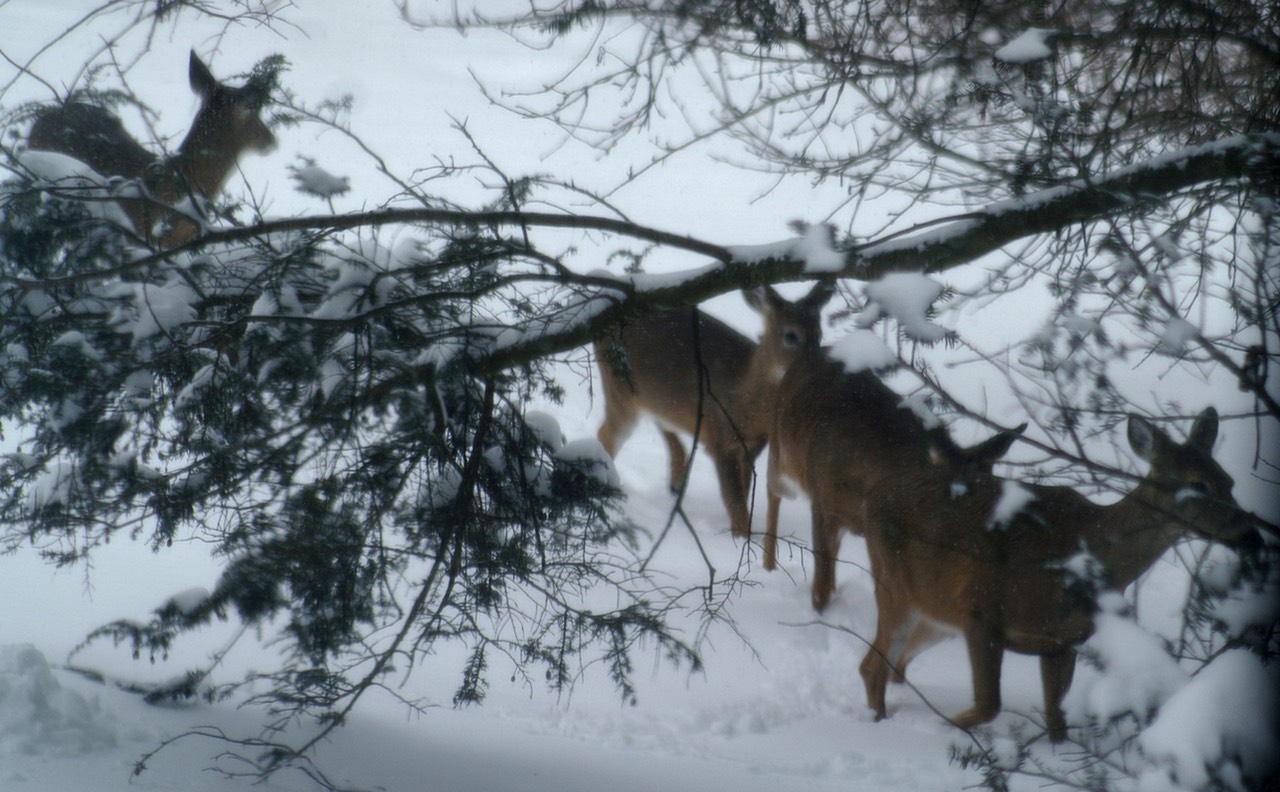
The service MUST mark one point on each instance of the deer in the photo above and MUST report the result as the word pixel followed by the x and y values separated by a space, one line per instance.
pixel 227 125
pixel 696 375
pixel 986 556
pixel 835 434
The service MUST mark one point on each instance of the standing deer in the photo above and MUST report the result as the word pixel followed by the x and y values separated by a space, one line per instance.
pixel 985 555
pixel 697 375
pixel 226 125
pixel 835 434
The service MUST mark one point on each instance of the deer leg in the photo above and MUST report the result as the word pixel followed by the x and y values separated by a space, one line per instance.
pixel 924 636
pixel 1056 671
pixel 894 626
pixel 617 425
pixel 826 550
pixel 771 532
pixel 679 459
pixel 773 490
pixel 985 640
pixel 730 466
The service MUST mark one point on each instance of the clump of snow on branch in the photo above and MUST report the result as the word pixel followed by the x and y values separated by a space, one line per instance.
pixel 1177 336
pixel 1032 45
pixel 1237 609
pixel 1224 723
pixel 816 247
pixel 1014 497
pixel 546 428
pixel 588 456
pixel 187 601
pixel 153 309
pixel 1137 672
pixel 862 350
pixel 311 179
pixel 907 297
pixel 39 716
pixel 918 404
pixel 72 177
pixel 52 487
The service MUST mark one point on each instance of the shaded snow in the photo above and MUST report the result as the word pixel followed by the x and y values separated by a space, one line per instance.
pixel 39 717
pixel 546 428
pixel 1139 674
pixel 187 600
pixel 1178 334
pixel 1226 719
pixel 588 455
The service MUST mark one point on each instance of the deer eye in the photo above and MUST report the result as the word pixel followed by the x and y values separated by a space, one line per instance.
pixel 791 338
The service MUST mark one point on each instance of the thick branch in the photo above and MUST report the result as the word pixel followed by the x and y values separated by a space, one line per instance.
pixel 951 242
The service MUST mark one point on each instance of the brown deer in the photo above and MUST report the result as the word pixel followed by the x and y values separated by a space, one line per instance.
pixel 697 375
pixel 985 556
pixel 835 434
pixel 226 125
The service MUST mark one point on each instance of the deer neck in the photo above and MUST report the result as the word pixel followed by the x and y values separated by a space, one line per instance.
pixel 1128 536
pixel 757 391
pixel 203 165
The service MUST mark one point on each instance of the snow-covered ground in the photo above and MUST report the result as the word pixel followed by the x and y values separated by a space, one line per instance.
pixel 779 704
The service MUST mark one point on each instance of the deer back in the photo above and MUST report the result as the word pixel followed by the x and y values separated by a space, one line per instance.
pixel 959 544
pixel 996 559
pixel 695 374
pixel 688 369
pixel 837 432
pixel 227 125
pixel 655 363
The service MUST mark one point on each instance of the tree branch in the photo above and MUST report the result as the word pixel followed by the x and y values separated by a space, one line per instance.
pixel 954 241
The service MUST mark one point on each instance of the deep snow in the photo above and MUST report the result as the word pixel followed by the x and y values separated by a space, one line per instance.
pixel 779 705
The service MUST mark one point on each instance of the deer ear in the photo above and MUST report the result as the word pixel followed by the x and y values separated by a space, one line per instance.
pixel 761 298
pixel 1204 431
pixel 1144 437
pixel 989 451
pixel 202 80
pixel 820 294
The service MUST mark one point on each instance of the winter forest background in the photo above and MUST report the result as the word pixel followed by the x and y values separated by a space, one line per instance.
pixel 315 498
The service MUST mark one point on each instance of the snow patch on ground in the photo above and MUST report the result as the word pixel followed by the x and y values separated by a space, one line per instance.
pixel 39 717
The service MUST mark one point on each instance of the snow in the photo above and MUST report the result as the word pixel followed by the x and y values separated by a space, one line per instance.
pixel 154 310
pixel 1139 677
pixel 1014 497
pixel 546 428
pixel 590 457
pixel 779 704
pixel 862 350
pixel 187 600
pixel 1178 334
pixel 1032 45
pixel 41 718
pixel 312 179
pixel 815 247
pixel 1227 718
pixel 907 297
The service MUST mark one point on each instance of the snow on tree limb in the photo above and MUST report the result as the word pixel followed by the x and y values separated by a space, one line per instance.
pixel 946 243
pixel 953 242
